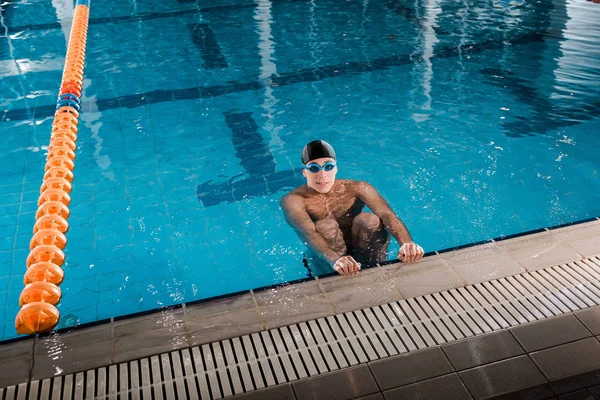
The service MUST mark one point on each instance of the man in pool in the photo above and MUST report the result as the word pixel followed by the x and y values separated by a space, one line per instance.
pixel 328 214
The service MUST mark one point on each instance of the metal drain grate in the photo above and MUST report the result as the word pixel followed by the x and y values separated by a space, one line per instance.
pixel 285 354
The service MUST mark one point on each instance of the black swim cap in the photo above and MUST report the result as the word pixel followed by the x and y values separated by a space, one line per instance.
pixel 317 149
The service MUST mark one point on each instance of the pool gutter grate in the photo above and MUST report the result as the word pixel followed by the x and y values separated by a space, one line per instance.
pixel 289 353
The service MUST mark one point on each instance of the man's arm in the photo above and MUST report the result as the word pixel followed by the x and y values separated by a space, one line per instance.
pixel 367 193
pixel 409 251
pixel 296 215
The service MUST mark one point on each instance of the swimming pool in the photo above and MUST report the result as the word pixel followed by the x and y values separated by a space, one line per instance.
pixel 473 119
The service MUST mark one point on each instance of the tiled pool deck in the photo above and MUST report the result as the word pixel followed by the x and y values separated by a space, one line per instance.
pixel 130 338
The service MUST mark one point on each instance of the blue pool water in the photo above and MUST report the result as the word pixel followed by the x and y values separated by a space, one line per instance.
pixel 474 119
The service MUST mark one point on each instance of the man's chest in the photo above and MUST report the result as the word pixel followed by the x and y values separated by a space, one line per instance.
pixel 339 208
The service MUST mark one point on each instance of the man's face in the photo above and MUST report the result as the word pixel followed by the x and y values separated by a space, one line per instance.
pixel 321 181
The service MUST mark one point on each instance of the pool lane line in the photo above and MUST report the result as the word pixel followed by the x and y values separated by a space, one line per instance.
pixel 41 294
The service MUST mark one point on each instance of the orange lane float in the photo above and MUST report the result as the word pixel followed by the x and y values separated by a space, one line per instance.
pixel 44 272
pixel 56 183
pixel 59 172
pixel 51 221
pixel 41 294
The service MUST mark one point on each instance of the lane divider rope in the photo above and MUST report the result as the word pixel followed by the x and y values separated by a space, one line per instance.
pixel 41 294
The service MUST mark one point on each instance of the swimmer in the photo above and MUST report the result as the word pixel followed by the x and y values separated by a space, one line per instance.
pixel 328 215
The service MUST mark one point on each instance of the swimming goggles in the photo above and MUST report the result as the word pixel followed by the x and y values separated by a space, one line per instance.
pixel 314 167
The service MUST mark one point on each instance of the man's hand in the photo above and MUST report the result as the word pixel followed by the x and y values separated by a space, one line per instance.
pixel 346 266
pixel 410 252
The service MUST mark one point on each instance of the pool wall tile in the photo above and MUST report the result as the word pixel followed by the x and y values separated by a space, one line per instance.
pixel 568 359
pixel 550 332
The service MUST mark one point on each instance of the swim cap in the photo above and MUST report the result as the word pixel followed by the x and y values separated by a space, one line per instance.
pixel 317 149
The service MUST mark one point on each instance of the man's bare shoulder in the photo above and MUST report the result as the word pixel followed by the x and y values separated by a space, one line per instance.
pixel 353 186
pixel 296 196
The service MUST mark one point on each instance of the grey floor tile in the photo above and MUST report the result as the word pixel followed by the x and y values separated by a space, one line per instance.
pixel 409 368
pixel 550 332
pixel 583 394
pixel 590 318
pixel 206 309
pixel 279 392
pixel 502 377
pixel 447 387
pixel 79 350
pixel 568 359
pixel 220 326
pixel 567 385
pixel 148 335
pixel 16 362
pixel 430 276
pixel 483 349
pixel 485 270
pixel 286 311
pixel 356 298
pixel 345 384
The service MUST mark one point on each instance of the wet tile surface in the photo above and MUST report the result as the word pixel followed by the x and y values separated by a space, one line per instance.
pixel 287 293
pixel 148 335
pixel 205 309
pixel 359 297
pixel 502 377
pixel 340 385
pixel 485 270
pixel 221 326
pixel 16 362
pixel 443 387
pixel 550 332
pixel 164 331
pixel 539 251
pixel 482 350
pixel 284 311
pixel 410 368
pixel 568 359
pixel 586 247
pixel 61 353
pixel 429 276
